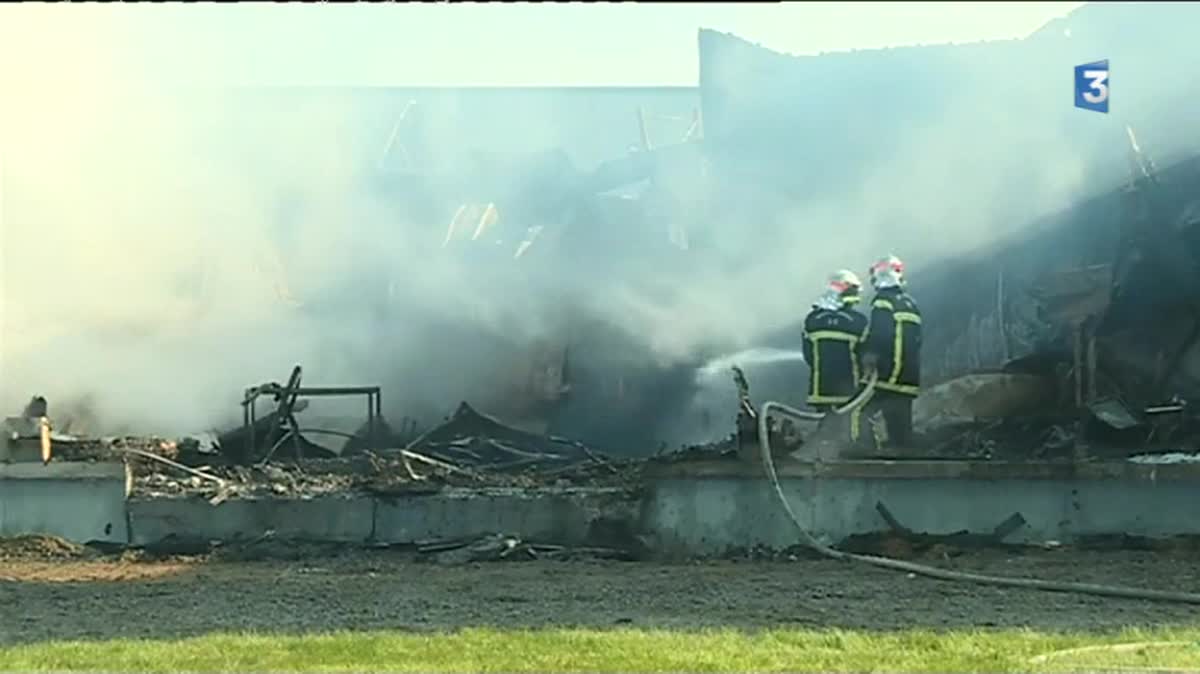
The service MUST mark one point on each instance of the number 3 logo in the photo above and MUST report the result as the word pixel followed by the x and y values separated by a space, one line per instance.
pixel 1097 80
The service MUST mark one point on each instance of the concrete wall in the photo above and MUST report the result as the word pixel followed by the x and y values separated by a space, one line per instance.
pixel 81 502
pixel 559 515
pixel 686 509
pixel 712 515
pixel 348 519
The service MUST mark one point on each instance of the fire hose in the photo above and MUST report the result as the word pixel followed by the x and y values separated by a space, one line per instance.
pixel 810 541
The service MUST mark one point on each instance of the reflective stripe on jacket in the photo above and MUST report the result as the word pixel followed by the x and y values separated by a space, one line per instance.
pixel 895 339
pixel 833 341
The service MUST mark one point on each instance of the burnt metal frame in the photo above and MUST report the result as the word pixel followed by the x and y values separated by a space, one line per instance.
pixel 287 396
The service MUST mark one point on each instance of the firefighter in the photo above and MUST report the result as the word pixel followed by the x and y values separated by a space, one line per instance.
pixel 893 348
pixel 833 342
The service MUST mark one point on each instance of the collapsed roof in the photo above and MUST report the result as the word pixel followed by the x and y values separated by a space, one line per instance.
pixel 1140 245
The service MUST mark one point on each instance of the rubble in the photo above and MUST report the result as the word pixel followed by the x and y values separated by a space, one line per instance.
pixel 469 438
pixel 460 453
pixel 113 449
pixel 1110 429
pixel 378 473
pixel 900 542
pixel 40 547
pixel 259 439
pixel 468 450
pixel 503 547
pixel 984 396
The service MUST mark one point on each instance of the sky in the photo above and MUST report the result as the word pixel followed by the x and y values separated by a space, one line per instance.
pixel 497 44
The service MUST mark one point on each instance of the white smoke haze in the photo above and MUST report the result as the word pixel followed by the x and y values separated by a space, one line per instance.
pixel 1002 149
pixel 165 247
pixel 142 266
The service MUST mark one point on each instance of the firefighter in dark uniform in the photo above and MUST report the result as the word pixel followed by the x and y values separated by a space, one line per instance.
pixel 893 348
pixel 833 343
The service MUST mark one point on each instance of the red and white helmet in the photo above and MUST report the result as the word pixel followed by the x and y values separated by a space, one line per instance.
pixel 842 288
pixel 845 283
pixel 887 272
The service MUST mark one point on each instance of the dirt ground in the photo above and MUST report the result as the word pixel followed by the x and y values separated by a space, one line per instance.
pixel 56 591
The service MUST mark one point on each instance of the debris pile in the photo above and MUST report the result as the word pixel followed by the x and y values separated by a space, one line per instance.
pixel 1005 439
pixel 492 547
pixel 468 450
pixel 389 474
pixel 239 482
pixel 40 547
pixel 469 438
pixel 1037 427
pixel 503 547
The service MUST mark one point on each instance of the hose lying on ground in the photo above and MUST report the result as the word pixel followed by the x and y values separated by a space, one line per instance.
pixel 809 540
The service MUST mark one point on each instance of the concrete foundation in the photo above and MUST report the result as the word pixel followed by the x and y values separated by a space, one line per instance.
pixel 81 502
pixel 685 508
pixel 349 519
pixel 710 509
pixel 569 516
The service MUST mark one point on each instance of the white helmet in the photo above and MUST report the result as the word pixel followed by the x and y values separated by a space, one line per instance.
pixel 887 272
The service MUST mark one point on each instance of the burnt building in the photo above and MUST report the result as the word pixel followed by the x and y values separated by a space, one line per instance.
pixel 997 117
pixel 1040 237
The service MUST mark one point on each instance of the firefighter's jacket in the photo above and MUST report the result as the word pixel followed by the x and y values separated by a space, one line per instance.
pixel 833 342
pixel 895 341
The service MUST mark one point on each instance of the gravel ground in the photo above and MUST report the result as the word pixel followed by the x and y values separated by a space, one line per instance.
pixel 54 591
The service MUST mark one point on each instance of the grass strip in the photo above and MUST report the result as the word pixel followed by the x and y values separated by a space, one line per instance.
pixel 624 650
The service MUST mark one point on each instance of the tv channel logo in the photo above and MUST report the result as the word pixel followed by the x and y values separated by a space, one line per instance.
pixel 1091 86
